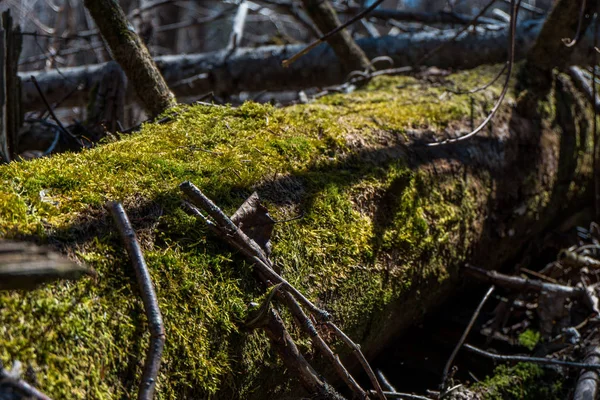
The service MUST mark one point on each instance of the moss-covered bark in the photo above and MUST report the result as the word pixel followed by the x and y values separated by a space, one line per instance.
pixel 130 52
pixel 387 223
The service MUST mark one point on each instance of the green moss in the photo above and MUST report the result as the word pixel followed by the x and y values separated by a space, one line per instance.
pixel 529 339
pixel 522 381
pixel 372 228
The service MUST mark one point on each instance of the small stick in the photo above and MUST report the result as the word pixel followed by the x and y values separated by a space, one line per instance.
pixel 518 283
pixel 463 338
pixel 308 327
pixel 301 318
pixel 238 239
pixel 157 330
pixel 25 389
pixel 54 117
pixel 536 360
pixel 408 396
pixel 361 358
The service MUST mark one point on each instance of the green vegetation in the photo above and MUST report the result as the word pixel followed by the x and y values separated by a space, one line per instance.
pixel 529 339
pixel 522 381
pixel 372 227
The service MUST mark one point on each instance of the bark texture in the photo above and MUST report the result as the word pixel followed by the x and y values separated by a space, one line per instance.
pixel 323 15
pixel 550 50
pixel 130 52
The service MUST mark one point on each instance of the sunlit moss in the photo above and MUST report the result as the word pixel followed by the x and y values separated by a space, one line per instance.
pixel 369 230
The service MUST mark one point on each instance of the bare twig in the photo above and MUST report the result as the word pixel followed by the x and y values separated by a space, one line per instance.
pixel 361 358
pixel 535 360
pixel 518 283
pixel 440 17
pixel 510 63
pixel 463 338
pixel 51 112
pixel 238 239
pixel 24 388
pixel 571 43
pixel 308 327
pixel 157 330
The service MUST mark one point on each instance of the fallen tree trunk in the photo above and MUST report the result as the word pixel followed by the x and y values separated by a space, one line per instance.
pixel 257 69
pixel 386 225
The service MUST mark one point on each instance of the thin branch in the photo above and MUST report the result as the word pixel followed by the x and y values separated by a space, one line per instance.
pixel 571 43
pixel 398 395
pixel 530 8
pixel 535 360
pixel 155 321
pixel 24 388
pixel 510 63
pixel 439 17
pixel 238 239
pixel 483 87
pixel 463 338
pixel 286 63
pixel 457 34
pixel 361 358
pixel 518 283
pixel 51 112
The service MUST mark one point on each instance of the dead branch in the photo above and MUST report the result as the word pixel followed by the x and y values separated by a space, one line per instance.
pixel 588 383
pixel 518 283
pixel 535 360
pixel 157 330
pixel 25 266
pixel 440 17
pixel 294 360
pixel 236 237
pixel 463 338
pixel 24 389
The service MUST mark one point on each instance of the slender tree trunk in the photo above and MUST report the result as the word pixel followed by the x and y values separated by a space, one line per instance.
pixel 131 53
pixel 323 15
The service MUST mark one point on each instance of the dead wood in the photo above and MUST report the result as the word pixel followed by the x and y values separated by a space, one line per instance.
pixel 257 69
pixel 11 116
pixel 151 307
pixel 588 381
pixel 25 266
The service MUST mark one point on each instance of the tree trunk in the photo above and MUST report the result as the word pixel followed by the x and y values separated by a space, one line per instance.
pixel 387 224
pixel 131 53
pixel 323 15
pixel 550 51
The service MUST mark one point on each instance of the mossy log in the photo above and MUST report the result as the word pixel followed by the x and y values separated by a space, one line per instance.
pixel 386 224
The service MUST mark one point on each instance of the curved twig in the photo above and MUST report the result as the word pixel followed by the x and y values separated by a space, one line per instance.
pixel 510 63
pixel 571 43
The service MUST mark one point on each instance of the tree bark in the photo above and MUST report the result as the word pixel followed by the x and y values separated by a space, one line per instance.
pixel 550 51
pixel 351 56
pixel 131 53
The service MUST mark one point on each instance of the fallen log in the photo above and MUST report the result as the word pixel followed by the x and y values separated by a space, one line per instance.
pixel 257 69
pixel 386 223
